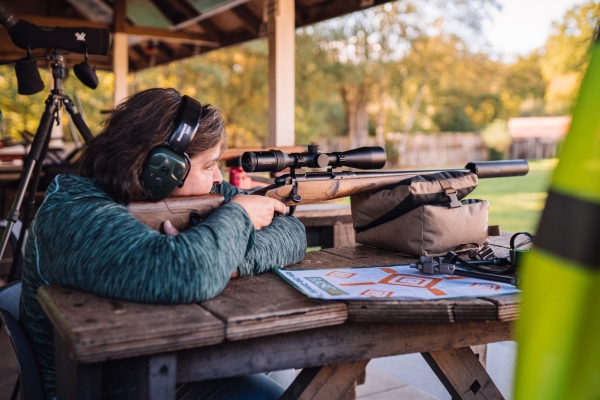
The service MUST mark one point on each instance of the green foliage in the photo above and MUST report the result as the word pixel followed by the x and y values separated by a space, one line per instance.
pixel 234 79
pixel 497 139
pixel 401 67
pixel 23 113
pixel 566 55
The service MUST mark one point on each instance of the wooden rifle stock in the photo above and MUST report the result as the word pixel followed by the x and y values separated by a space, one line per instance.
pixel 181 211
pixel 311 187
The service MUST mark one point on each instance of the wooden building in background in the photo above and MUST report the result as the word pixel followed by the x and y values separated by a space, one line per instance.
pixel 537 137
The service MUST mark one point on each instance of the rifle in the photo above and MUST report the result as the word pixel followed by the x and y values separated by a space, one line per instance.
pixel 310 187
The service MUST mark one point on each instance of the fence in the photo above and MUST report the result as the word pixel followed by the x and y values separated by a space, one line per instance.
pixel 530 148
pixel 447 148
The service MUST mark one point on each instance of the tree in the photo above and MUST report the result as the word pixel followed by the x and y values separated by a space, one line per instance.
pixel 365 48
pixel 566 55
pixel 233 79
pixel 23 113
pixel 524 87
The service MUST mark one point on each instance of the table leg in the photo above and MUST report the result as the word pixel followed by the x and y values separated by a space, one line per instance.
pixel 141 378
pixel 480 351
pixel 75 381
pixel 144 378
pixel 156 377
pixel 330 382
pixel 462 374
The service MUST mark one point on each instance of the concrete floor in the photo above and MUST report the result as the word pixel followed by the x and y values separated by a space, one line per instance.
pixel 382 386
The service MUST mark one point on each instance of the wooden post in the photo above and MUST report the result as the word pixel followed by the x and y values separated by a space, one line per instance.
pixel 120 60
pixel 281 34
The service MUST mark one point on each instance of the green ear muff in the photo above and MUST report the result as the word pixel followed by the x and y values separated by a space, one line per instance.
pixel 163 172
pixel 167 165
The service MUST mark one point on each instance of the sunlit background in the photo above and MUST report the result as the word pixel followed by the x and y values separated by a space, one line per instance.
pixel 396 75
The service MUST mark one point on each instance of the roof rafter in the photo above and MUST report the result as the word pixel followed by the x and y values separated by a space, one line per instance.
pixel 250 22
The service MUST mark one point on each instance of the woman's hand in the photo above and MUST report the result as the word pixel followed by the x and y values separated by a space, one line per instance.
pixel 170 230
pixel 260 209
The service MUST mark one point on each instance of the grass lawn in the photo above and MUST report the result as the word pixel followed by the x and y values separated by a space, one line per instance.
pixel 516 203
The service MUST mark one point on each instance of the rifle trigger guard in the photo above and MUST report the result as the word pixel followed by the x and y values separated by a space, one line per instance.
pixel 291 210
pixel 296 198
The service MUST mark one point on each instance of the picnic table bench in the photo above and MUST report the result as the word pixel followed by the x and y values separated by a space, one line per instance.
pixel 259 324
pixel 327 224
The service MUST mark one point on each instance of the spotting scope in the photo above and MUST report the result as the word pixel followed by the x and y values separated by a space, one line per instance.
pixel 276 160
pixel 26 35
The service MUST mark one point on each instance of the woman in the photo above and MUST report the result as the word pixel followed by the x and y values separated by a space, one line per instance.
pixel 84 237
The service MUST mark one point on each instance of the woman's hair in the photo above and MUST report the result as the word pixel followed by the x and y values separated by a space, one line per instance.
pixel 116 156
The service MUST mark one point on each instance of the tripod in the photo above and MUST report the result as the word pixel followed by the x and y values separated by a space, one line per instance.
pixel 37 153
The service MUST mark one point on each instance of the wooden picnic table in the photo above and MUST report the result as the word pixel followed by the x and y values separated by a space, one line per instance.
pixel 260 324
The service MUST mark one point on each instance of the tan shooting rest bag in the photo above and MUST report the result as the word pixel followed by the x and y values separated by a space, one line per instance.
pixel 423 215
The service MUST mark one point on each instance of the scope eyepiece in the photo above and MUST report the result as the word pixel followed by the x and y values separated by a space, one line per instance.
pixel 276 160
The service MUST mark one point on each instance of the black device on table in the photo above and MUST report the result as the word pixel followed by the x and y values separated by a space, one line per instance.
pixel 499 269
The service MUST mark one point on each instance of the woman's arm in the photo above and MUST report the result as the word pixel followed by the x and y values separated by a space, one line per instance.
pixel 280 244
pixel 96 245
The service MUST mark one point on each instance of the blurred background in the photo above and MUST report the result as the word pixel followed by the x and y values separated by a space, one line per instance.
pixel 436 83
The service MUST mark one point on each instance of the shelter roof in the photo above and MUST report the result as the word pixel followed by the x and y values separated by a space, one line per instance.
pixel 162 31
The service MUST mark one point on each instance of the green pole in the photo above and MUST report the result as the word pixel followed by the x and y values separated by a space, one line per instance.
pixel 559 328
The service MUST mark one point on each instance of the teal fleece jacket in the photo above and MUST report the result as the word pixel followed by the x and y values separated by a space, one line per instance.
pixel 83 239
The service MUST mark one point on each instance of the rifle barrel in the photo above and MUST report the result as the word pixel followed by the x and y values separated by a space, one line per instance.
pixel 483 169
pixel 497 169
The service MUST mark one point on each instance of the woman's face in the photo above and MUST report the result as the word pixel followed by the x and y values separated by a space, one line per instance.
pixel 204 172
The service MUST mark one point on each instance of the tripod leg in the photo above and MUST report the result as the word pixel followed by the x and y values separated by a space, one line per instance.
pixel 40 143
pixel 28 212
pixel 77 119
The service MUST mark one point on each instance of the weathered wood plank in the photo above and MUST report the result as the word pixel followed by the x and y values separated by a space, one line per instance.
pixel 265 305
pixel 330 382
pixel 324 259
pixel 445 310
pixel 370 256
pixel 332 345
pixel 502 241
pixel 96 328
pixel 343 235
pixel 500 252
pixel 508 306
pixel 462 374
pixel 324 214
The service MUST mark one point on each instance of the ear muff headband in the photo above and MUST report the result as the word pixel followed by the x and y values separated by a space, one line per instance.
pixel 186 125
pixel 167 166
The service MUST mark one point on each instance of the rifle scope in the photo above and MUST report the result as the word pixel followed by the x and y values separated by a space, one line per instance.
pixel 276 160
